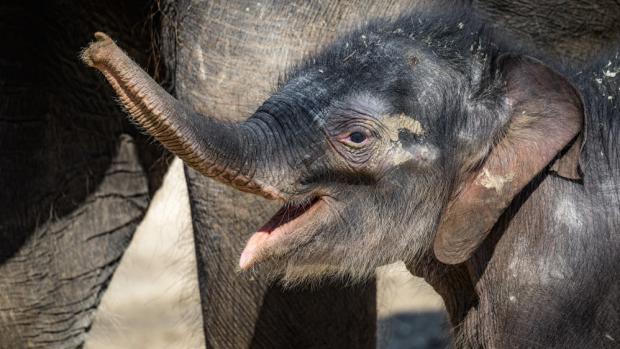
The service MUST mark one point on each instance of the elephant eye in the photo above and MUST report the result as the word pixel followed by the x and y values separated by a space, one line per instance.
pixel 357 137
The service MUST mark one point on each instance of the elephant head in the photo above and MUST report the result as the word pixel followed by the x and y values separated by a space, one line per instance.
pixel 398 140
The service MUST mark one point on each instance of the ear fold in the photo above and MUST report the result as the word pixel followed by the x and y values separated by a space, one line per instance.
pixel 567 165
pixel 545 117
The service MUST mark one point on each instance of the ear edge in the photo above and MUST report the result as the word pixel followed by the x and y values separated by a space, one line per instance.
pixel 567 165
pixel 458 235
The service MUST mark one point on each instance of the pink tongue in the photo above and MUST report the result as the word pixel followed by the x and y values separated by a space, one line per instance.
pixel 269 231
pixel 250 252
pixel 260 238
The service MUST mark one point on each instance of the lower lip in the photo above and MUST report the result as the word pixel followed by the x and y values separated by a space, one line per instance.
pixel 275 229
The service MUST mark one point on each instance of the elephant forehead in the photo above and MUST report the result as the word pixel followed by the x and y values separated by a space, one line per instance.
pixel 365 103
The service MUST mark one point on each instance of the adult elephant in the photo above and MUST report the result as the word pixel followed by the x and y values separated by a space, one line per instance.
pixel 77 177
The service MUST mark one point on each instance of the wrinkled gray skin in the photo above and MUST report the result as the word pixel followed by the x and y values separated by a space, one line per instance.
pixel 76 176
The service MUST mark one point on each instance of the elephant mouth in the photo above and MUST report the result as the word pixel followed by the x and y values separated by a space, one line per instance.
pixel 290 218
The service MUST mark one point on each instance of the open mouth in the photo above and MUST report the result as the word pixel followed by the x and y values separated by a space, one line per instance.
pixel 288 219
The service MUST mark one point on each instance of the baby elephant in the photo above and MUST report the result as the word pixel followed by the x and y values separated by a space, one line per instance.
pixel 432 139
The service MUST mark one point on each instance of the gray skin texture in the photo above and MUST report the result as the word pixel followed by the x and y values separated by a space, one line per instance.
pixel 575 30
pixel 431 127
pixel 76 176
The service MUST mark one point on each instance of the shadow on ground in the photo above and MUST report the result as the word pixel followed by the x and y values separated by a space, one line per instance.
pixel 420 330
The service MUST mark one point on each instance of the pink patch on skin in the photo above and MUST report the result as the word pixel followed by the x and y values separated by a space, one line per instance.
pixel 251 249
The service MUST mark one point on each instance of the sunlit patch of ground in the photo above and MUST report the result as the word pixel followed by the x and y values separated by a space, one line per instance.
pixel 411 314
pixel 153 301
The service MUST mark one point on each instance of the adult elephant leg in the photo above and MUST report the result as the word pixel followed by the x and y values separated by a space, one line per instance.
pixel 227 56
pixel 244 312
pixel 73 188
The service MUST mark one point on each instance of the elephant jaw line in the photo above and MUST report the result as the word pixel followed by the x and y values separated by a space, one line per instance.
pixel 288 219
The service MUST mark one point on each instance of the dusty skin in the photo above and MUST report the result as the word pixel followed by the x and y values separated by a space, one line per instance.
pixel 153 299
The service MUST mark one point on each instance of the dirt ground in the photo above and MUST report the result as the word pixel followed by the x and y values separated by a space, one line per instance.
pixel 153 301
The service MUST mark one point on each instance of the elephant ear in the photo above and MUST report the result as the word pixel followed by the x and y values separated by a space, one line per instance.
pixel 545 118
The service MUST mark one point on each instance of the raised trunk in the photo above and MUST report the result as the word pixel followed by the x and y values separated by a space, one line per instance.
pixel 218 49
pixel 230 153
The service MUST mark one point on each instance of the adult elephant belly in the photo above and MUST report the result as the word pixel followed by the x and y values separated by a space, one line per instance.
pixel 578 30
pixel 227 56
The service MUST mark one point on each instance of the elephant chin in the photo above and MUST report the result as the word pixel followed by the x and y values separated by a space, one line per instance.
pixel 288 220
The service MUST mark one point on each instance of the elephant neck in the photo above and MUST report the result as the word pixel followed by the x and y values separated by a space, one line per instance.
pixel 456 286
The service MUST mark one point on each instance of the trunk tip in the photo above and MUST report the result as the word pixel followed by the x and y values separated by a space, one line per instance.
pixel 99 50
pixel 100 36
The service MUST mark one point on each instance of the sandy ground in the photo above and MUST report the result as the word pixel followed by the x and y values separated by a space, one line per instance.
pixel 153 301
